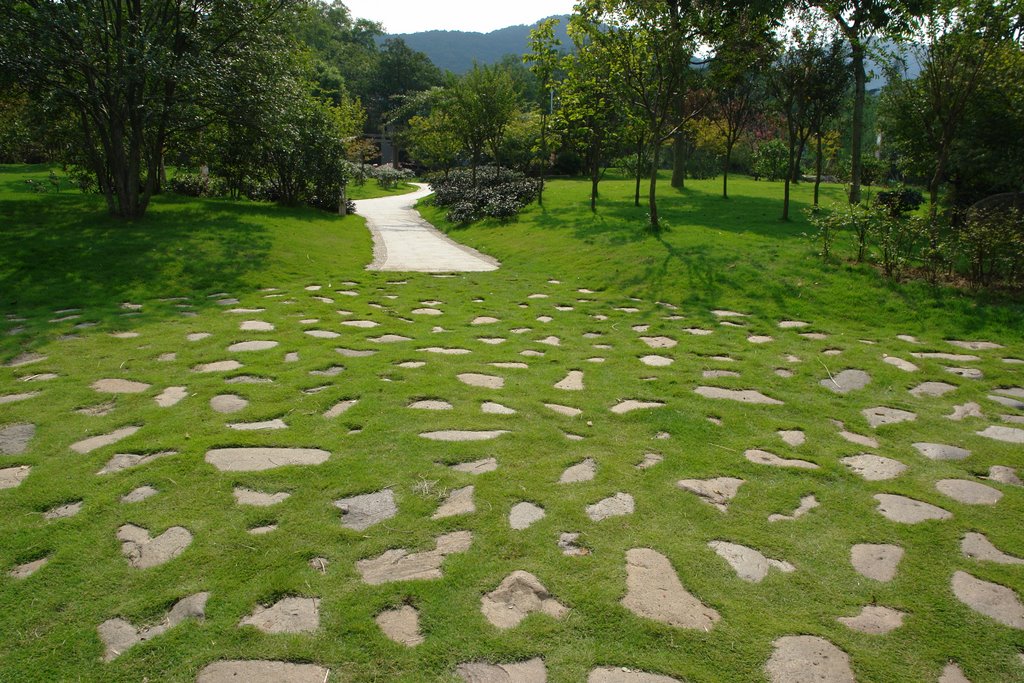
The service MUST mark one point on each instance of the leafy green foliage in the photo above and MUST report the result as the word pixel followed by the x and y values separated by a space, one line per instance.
pixel 770 160
pixel 486 192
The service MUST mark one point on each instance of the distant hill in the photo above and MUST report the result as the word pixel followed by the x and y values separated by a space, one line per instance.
pixel 457 50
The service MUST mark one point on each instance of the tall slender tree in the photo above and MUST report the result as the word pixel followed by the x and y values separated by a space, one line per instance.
pixel 544 58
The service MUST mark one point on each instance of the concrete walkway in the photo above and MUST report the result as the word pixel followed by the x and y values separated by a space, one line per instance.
pixel 403 241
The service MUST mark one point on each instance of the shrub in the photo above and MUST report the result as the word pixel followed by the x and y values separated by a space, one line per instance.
pixel 770 160
pixel 992 245
pixel 497 194
pixel 899 240
pixel 388 177
pixel 900 201
pixel 198 185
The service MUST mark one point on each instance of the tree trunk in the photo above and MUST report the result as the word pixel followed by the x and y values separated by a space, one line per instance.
pixel 817 170
pixel 725 170
pixel 652 199
pixel 789 178
pixel 543 155
pixel 679 162
pixel 799 156
pixel 857 134
pixel 639 170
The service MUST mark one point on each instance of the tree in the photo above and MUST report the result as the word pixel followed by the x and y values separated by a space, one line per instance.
pixel 481 104
pixel 543 59
pixel 130 72
pixel 434 141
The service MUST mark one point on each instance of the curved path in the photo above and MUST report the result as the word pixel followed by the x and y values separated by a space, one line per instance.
pixel 403 241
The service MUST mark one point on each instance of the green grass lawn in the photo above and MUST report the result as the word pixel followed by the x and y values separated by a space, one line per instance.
pixel 60 251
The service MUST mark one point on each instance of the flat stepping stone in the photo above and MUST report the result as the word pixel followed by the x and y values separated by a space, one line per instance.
pixel 567 541
pixel 932 389
pixel 138 495
pixel 530 353
pixel 653 591
pixel 792 437
pixel 721 313
pixel 401 565
pixel 991 599
pixel 855 438
pixel 907 510
pixel 572 382
pixel 749 564
pixel 355 353
pixel 550 341
pixel 411 364
pixel 390 339
pixel 874 620
pixel 940 451
pixel 14 438
pixel 263 530
pixel 474 379
pixel 255 326
pixel 118 386
pixel 1004 475
pixel 524 514
pixel 874 467
pixel 510 366
pixel 974 345
pixel 332 371
pixel 956 357
pixel 783 372
pixel 259 459
pixel 228 403
pixel 954 674
pixel 431 404
pixel 968 492
pixel 25 359
pixel 491 408
pixel 614 674
pixel 614 506
pixel 966 373
pixel 697 331
pixel 446 351
pixel 340 408
pixel 807 503
pixel 23 571
pixel 322 334
pixel 401 625
pixel 119 635
pixel 15 398
pixel 464 435
pixel 248 379
pixel 876 561
pixel 530 671
pixel 516 597
pixel 659 342
pixel 792 324
pixel 363 511
pixel 484 320
pixel 493 341
pixel 900 364
pixel 760 339
pixel 124 461
pixel 808 659
pixel 244 496
pixel 567 411
pixel 649 461
pixel 584 471
pixel 198 336
pixel 262 671
pixel 288 615
pixel 218 366
pixel 760 457
pixel 171 396
pixel 144 551
pixel 1005 434
pixel 63 511
pixel 92 443
pixel 265 425
pixel 717 492
pixel 458 502
pixel 1008 401
pixel 977 547
pixel 717 374
pixel 361 324
pixel 257 345
pixel 881 416
pixel 630 405
pixel 741 395
pixel 482 466
pixel 652 361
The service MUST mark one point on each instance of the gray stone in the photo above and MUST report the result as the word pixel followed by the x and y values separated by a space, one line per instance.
pixel 653 591
pixel 899 363
pixel 340 408
pixel 259 459
pixel 218 366
pixel 953 674
pixel 363 511
pixel 659 342
pixel 991 599
pixel 256 326
pixel 260 671
pixel 11 477
pixel 228 403
pixel 144 551
pixel 880 416
pixel 464 435
pixel 458 502
pixel 1006 434
pixel 25 359
pixel 119 635
pixel 741 395
pixel 23 571
pixel 749 564
pixel 138 495
pixel 567 541
pixel 401 625
pixel 477 466
pixel 649 461
pixel 792 437
pixel 572 382
pixel 265 425
pixel 938 451
pixel 530 671
pixel 874 620
pixel 975 345
pixel 516 597
pixel 760 457
pixel 957 357
pixel 614 506
pixel 390 339
pixel 431 404
pixel 977 547
pixel 717 374
pixel 1004 475
pixel 244 496
pixel 288 615
pixel 583 471
pixel 260 345
pixel 171 396
pixel 807 503
pixel 14 398
pixel 907 510
pixel 655 361
pixel 717 492
pixel 874 467
pixel 14 438
pixel 808 659
pixel 524 514
pixel 475 379
pixel 876 561
pixel 932 389
pixel 628 406
pixel 401 565
pixel 491 408
pixel 567 411
pixel 613 674
pixel 119 386
pixel 968 492
pixel 355 353
pixel 966 373
pixel 63 511
pixel 123 461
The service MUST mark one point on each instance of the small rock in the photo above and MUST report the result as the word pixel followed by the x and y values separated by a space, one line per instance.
pixel 524 514
pixel 138 495
pixel 260 671
pixel 615 506
pixel 530 671
pixel 567 542
pixel 144 551
pixel 583 471
pixel 880 416
pixel 938 451
pixel 765 458
pixel 519 595
pixel 749 564
pixel 874 620
pixel 653 591
pixel 878 562
pixel 807 503
pixel 874 467
pixel 969 492
pixel 363 511
pixel 907 510
pixel 401 625
pixel 808 659
pixel 288 615
pixel 717 492
pixel 991 599
pixel 458 502
pixel 1004 475
pixel 977 547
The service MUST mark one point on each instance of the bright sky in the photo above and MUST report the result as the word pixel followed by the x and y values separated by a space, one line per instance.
pixel 411 16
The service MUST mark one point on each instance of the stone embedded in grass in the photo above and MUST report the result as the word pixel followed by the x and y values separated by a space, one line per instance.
pixel 491 408
pixel 218 366
pixel 94 442
pixel 319 564
pixel 760 339
pixel 899 363
pixel 572 381
pixel 954 674
pixel 144 551
pixel 361 324
pixel 955 357
pixel 615 674
pixel 322 334
pixel 510 366
pixel 792 437
pixel 1006 434
pixel 119 635
pixel 808 659
pixel 876 561
pixel 248 379
pixel 659 342
pixel 23 571
pixel 430 404
pixel 98 410
pixel 401 625
pixel 975 345
pixel 332 371
pixel 938 451
pixel 259 459
pixel 697 331
pixel 874 467
pixel 991 599
pixel 14 438
pixel 262 530
pixel 118 386
pixel 977 547
pixel 524 514
pixel 123 461
pixel 355 353
pixel 198 336
pixel 720 313
pixel 846 381
pixel 265 425
pixel 288 615
pixel 760 457
pixel 228 403
pixel 907 510
pixel 138 495
pixel 477 466
pixel 363 511
pixel 256 326
pixel 25 359
pixel 910 339
pixel 493 341
pixel 171 396
pixel 262 671
pixel 881 416
pixel 792 324
pixel 426 311
pixel 475 379
pixel 716 492
pixel 1004 475
pixel 39 377
pixel 389 339
pixel 966 373
pixel 932 389
pixel 567 541
pixel 14 398
pixel 717 374
pixel 530 671
pixel 628 406
pixel 614 506
pixel 517 596
pixel 256 345
pixel 340 408
pixel 653 591
pixel 484 320
pixel 749 564
pixel 446 351
pixel 583 471
pixel 649 461
pixel 464 435
pixel 968 492
pixel 530 353
pixel 807 503
pixel 874 620
pixel 401 565
pixel 244 496
pixel 741 395
pixel 1007 401
pixel 411 364
pixel 63 511
pixel 567 411
pixel 458 502
pixel 550 341
pixel 653 361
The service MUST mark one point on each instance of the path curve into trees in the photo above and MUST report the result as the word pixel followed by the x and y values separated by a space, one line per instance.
pixel 403 241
